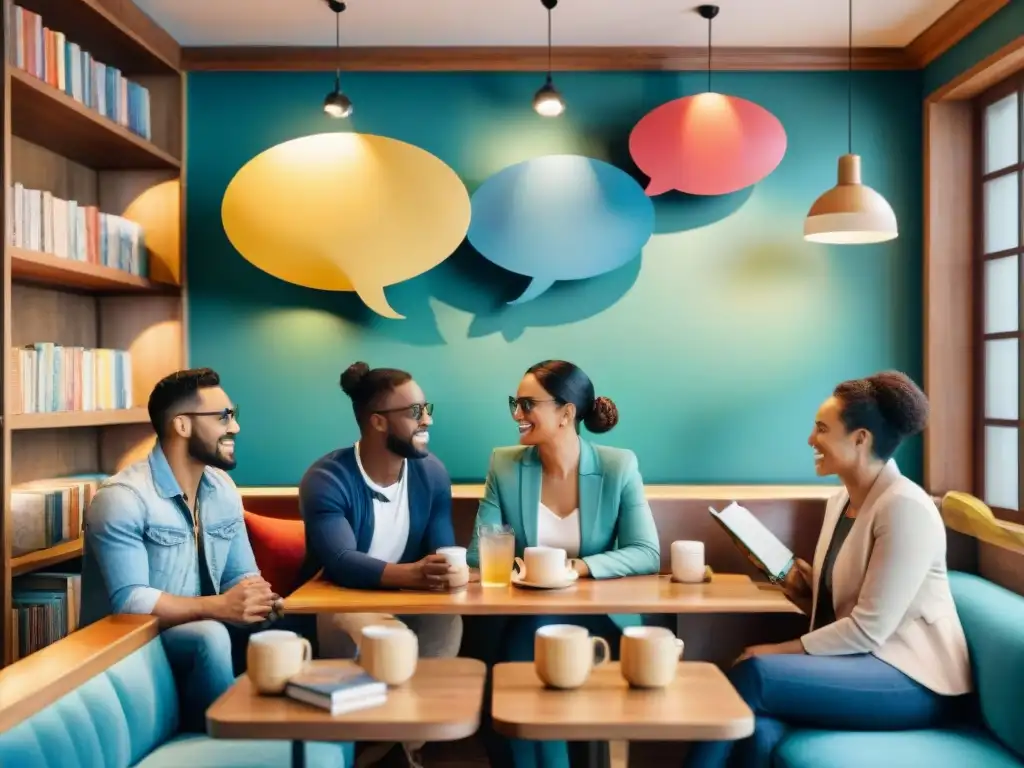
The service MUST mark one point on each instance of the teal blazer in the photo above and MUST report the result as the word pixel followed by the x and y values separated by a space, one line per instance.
pixel 618 536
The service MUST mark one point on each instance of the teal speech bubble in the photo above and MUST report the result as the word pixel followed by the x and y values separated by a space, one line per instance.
pixel 560 217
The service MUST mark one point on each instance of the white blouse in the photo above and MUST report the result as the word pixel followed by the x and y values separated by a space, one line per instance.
pixel 559 532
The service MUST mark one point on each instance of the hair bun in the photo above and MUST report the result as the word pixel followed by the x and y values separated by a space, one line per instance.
pixel 900 401
pixel 353 376
pixel 603 415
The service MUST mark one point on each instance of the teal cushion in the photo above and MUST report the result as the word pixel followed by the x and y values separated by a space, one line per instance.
pixel 112 720
pixel 993 618
pixel 892 749
pixel 197 751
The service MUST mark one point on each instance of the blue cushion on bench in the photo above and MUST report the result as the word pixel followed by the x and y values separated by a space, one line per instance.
pixel 892 749
pixel 993 621
pixel 198 751
pixel 114 719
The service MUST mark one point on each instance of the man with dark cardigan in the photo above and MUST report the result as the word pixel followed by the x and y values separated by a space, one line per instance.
pixel 376 513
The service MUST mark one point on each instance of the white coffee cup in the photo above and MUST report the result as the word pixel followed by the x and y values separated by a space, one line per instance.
pixel 454 555
pixel 688 561
pixel 273 657
pixel 544 565
pixel 389 653
pixel 649 656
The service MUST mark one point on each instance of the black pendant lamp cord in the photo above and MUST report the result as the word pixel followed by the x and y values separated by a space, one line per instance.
pixel 709 55
pixel 549 46
pixel 337 47
pixel 849 81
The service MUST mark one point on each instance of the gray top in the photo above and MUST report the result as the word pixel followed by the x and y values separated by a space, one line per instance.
pixel 825 613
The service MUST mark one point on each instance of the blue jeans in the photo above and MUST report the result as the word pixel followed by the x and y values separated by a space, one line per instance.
pixel 517 645
pixel 206 658
pixel 849 693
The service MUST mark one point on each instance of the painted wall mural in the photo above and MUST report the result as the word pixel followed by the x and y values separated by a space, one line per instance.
pixel 346 212
pixel 560 217
pixel 707 144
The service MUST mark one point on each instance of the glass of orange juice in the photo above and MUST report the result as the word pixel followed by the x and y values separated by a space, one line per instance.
pixel 497 545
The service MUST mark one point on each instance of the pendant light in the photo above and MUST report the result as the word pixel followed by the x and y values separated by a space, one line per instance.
pixel 547 102
pixel 850 213
pixel 337 104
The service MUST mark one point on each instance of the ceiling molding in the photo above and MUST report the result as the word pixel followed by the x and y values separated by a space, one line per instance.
pixel 534 59
pixel 993 69
pixel 950 28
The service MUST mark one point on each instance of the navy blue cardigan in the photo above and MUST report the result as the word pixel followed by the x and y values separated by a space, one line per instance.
pixel 337 508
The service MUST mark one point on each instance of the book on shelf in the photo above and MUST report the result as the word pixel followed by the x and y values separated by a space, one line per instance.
pixel 45 609
pixel 50 378
pixel 338 690
pixel 69 230
pixel 49 55
pixel 752 536
pixel 45 513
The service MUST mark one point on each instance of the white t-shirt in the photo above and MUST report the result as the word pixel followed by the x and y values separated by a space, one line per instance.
pixel 559 532
pixel 391 518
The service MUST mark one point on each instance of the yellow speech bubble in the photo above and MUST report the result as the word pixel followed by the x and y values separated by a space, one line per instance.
pixel 346 212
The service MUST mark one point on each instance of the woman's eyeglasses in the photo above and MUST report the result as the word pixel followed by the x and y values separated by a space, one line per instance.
pixel 525 404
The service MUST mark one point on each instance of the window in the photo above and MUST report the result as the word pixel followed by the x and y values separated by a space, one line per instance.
pixel 1000 277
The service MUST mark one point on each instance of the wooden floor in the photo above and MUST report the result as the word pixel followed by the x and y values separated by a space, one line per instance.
pixel 470 753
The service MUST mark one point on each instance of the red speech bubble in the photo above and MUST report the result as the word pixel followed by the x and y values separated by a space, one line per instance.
pixel 707 144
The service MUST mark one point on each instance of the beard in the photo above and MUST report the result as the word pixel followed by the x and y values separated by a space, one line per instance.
pixel 404 448
pixel 209 454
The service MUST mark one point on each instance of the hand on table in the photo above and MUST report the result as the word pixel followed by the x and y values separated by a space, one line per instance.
pixel 431 572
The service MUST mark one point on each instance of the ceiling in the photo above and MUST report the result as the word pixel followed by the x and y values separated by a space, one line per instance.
pixel 782 23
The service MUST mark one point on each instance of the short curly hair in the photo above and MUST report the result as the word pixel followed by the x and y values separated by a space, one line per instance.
pixel 889 405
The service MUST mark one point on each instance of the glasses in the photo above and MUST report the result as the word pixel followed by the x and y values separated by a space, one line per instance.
pixel 527 404
pixel 225 415
pixel 416 410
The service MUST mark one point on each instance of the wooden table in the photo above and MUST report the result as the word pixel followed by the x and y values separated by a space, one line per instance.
pixel 726 593
pixel 700 705
pixel 442 702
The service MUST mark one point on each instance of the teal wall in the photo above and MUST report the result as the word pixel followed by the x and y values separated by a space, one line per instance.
pixel 1001 28
pixel 717 345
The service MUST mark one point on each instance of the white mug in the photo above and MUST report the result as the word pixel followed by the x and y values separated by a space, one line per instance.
pixel 544 565
pixel 454 555
pixel 688 561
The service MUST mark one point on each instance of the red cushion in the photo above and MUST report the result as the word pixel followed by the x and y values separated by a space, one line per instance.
pixel 280 547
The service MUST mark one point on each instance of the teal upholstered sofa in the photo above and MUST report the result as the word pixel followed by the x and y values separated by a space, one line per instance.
pixel 993 620
pixel 104 697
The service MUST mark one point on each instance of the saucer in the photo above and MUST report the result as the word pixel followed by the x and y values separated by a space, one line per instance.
pixel 570 579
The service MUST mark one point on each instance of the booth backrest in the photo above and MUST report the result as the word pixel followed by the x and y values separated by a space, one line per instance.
pixel 111 719
pixel 277 534
pixel 993 621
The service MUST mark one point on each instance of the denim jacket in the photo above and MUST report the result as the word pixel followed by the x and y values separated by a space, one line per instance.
pixel 140 539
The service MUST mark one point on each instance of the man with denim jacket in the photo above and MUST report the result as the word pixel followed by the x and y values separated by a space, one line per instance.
pixel 166 536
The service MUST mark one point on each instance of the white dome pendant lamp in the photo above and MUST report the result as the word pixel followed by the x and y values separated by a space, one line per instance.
pixel 850 213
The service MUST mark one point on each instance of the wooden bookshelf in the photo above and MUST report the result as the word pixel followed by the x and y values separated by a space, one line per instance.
pixel 49 118
pixel 56 272
pixel 69 419
pixel 56 144
pixel 46 558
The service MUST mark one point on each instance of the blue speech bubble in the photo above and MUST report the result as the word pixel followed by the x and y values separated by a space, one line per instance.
pixel 560 217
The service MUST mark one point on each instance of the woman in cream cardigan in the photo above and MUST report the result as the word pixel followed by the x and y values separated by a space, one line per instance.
pixel 885 650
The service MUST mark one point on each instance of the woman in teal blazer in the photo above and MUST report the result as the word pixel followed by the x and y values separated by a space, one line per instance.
pixel 558 489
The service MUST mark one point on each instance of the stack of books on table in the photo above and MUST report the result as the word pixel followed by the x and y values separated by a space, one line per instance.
pixel 338 690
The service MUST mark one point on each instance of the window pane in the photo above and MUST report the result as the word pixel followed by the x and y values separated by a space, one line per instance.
pixel 1001 295
pixel 1002 209
pixel 1001 379
pixel 1001 136
pixel 1001 467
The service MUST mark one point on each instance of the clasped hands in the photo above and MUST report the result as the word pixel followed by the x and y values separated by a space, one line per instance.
pixel 250 601
pixel 797 587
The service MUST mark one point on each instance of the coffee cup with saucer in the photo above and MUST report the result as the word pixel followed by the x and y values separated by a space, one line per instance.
pixel 544 568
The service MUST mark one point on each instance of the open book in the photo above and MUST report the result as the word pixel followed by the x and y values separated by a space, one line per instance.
pixel 750 534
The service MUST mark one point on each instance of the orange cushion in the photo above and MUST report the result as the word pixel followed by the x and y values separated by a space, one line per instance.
pixel 280 547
